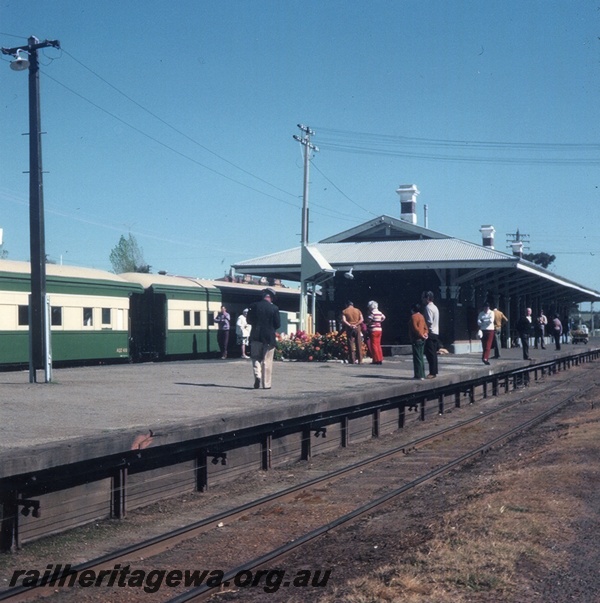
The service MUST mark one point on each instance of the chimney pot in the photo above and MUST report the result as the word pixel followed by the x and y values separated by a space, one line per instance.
pixel 487 234
pixel 408 201
pixel 517 248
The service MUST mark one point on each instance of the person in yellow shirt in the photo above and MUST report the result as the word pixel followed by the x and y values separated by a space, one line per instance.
pixel 499 321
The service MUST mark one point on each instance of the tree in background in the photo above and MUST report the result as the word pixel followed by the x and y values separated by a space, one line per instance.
pixel 541 259
pixel 127 256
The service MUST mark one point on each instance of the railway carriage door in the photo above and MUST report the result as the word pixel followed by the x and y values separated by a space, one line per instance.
pixel 159 324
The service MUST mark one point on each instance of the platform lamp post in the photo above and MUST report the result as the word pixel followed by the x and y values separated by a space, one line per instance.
pixel 39 328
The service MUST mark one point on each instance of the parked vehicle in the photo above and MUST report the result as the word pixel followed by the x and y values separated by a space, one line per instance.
pixel 581 334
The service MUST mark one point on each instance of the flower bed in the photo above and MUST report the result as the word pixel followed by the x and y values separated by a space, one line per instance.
pixel 314 348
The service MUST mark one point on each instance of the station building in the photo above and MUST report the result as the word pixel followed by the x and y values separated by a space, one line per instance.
pixel 393 260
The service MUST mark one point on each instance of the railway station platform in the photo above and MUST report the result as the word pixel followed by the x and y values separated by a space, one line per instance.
pixel 99 441
pixel 91 412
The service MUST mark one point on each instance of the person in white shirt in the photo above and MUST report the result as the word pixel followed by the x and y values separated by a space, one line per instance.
pixel 432 344
pixel 242 332
pixel 485 320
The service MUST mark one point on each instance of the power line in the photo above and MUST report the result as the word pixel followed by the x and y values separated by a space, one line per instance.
pixel 174 150
pixel 342 192
pixel 163 144
pixel 172 127
pixel 476 144
pixel 404 146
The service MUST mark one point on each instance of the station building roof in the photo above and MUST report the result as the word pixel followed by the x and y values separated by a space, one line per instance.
pixel 389 244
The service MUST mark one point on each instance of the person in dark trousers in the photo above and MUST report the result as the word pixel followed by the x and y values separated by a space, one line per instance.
pixel 432 343
pixel 524 328
pixel 557 330
pixel 263 316
pixel 499 321
pixel 539 330
pixel 352 319
pixel 224 321
pixel 417 333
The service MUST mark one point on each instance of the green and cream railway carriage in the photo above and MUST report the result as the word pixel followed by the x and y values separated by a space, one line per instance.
pixel 89 313
pixel 99 316
pixel 173 317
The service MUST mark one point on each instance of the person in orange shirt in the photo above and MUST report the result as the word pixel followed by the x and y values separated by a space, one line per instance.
pixel 352 320
pixel 418 333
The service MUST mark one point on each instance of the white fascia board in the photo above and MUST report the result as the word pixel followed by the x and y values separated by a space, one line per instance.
pixel 557 279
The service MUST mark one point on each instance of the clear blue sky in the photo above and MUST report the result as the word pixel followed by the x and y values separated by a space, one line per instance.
pixel 174 121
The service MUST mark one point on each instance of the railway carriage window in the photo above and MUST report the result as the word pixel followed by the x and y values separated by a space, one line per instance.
pixel 186 318
pixel 106 318
pixel 56 316
pixel 23 316
pixel 88 319
pixel 196 319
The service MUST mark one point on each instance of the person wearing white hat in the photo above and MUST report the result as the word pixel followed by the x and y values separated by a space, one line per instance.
pixel 242 331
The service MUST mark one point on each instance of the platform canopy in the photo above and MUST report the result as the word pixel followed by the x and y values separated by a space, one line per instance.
pixel 389 244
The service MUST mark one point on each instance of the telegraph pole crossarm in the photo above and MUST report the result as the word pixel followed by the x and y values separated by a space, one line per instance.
pixel 34 44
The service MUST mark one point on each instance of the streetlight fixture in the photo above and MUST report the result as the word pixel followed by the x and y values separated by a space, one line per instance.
pixel 39 328
pixel 20 63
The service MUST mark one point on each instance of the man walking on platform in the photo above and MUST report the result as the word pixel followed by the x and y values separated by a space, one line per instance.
pixel 432 343
pixel 264 318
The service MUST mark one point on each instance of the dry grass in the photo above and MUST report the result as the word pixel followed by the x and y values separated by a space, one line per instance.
pixel 496 539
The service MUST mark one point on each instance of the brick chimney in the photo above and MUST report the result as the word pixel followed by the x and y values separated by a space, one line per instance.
pixel 487 235
pixel 408 202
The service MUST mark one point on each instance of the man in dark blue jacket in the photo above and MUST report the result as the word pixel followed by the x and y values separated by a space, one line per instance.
pixel 264 318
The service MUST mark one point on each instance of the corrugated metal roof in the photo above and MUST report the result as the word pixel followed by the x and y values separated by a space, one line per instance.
pixel 409 255
pixel 382 252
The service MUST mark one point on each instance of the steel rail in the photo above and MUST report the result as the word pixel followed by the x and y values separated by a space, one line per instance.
pixel 201 593
pixel 163 542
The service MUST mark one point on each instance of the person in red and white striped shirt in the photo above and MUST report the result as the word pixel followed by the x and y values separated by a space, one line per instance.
pixel 374 320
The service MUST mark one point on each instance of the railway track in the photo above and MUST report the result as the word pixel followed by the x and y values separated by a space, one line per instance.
pixel 298 515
